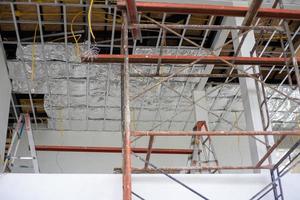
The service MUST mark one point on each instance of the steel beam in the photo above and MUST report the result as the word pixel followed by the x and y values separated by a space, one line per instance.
pixel 203 9
pixel 169 59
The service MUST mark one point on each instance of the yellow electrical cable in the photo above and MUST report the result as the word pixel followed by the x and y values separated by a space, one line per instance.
pixel 33 65
pixel 19 13
pixel 89 18
pixel 72 30
pixel 77 51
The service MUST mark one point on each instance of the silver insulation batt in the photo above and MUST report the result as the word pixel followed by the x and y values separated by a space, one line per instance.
pixel 81 96
pixel 84 96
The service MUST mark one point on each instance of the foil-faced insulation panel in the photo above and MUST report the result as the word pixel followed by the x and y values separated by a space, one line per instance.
pixel 86 93
pixel 86 96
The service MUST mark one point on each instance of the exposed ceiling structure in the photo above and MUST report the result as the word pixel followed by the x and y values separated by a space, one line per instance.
pixel 91 99
pixel 132 70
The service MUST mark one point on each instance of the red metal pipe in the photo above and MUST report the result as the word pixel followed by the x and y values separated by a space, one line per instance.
pixel 150 148
pixel 252 12
pixel 176 170
pixel 110 149
pixel 270 150
pixel 153 59
pixel 214 133
pixel 125 113
pixel 219 10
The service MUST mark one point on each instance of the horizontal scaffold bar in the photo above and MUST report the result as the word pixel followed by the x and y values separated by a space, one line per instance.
pixel 214 133
pixel 218 10
pixel 109 149
pixel 170 59
pixel 200 168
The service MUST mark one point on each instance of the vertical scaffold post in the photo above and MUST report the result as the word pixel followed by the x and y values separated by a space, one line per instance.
pixel 125 113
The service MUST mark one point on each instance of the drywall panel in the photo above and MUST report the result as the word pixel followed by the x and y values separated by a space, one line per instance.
pixel 108 187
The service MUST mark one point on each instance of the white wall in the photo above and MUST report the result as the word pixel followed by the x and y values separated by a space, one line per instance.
pixel 75 162
pixel 233 151
pixel 230 151
pixel 108 187
pixel 5 91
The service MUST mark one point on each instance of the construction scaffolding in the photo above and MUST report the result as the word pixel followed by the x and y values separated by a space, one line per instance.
pixel 255 18
pixel 250 15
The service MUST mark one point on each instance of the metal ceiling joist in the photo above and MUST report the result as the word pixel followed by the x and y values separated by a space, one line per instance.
pixel 167 59
pixel 235 11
